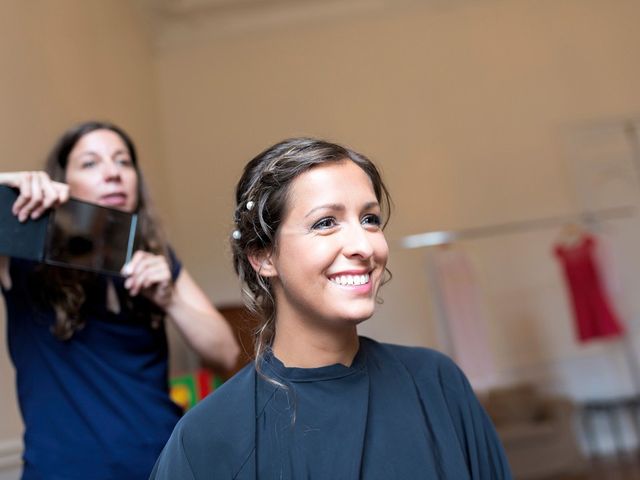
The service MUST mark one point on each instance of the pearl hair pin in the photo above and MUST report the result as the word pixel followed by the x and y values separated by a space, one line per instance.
pixel 250 205
pixel 236 235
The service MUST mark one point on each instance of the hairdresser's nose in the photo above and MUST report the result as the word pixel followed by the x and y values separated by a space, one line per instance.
pixel 111 170
pixel 357 241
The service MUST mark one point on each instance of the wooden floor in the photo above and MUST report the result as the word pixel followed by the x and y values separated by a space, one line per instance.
pixel 626 468
pixel 622 468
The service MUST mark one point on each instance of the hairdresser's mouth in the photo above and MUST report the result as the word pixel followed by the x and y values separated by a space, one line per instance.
pixel 114 200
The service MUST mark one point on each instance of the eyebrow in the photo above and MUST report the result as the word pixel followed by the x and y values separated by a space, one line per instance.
pixel 96 154
pixel 338 207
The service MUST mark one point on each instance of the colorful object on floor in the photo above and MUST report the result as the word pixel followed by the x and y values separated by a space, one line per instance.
pixel 188 389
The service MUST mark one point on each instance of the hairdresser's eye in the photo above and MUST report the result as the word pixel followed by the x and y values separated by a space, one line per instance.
pixel 371 219
pixel 324 224
pixel 124 162
pixel 88 163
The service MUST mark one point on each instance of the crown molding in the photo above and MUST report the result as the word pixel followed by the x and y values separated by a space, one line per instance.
pixel 180 23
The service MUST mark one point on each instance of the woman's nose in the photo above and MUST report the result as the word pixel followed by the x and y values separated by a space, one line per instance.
pixel 357 242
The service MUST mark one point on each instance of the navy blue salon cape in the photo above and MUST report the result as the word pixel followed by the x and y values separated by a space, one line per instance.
pixel 96 406
pixel 397 413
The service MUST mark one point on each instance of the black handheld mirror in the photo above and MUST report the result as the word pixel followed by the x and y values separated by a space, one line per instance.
pixel 76 234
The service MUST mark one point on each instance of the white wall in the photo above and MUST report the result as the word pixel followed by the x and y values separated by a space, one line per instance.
pixel 467 110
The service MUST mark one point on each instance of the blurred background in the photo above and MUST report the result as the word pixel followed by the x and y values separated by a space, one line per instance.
pixel 509 124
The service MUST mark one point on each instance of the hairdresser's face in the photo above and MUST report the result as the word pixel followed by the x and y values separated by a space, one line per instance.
pixel 331 250
pixel 100 170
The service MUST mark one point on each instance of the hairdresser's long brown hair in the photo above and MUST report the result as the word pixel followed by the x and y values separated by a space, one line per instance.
pixel 64 289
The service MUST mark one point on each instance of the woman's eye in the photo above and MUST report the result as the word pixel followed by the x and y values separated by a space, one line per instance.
pixel 324 223
pixel 372 219
pixel 88 163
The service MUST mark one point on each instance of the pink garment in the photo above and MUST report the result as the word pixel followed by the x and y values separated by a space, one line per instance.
pixel 459 299
pixel 593 313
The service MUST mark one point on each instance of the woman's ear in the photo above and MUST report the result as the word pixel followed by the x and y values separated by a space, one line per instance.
pixel 262 263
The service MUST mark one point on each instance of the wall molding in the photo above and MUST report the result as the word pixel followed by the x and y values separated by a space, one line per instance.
pixel 183 23
pixel 10 454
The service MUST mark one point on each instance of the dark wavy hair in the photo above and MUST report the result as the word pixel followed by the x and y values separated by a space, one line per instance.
pixel 64 289
pixel 261 200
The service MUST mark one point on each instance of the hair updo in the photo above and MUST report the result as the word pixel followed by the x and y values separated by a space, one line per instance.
pixel 261 200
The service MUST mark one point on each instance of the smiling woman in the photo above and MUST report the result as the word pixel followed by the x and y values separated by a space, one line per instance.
pixel 319 401
pixel 334 213
pixel 280 183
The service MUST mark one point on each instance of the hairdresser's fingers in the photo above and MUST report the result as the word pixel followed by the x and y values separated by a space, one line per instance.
pixel 62 191
pixel 50 195
pixel 144 270
pixel 137 278
pixel 37 197
pixel 37 192
pixel 149 279
pixel 31 190
pixel 157 287
pixel 137 263
pixel 154 285
pixel 23 183
pixel 160 293
pixel 55 192
pixel 154 273
pixel 130 267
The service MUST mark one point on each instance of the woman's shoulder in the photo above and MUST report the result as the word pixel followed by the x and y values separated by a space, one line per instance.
pixel 227 403
pixel 217 431
pixel 412 355
pixel 424 364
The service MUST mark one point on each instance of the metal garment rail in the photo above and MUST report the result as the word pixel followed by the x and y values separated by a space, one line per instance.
pixel 431 239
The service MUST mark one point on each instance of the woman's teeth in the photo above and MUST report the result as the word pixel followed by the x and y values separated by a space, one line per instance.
pixel 351 279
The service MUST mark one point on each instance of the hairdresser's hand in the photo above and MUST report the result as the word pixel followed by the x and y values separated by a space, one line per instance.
pixel 37 193
pixel 150 275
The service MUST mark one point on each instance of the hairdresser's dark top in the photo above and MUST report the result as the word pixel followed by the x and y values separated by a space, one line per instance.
pixel 95 406
pixel 397 413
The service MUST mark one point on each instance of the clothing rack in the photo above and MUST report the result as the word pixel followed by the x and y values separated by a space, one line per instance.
pixel 632 132
pixel 433 238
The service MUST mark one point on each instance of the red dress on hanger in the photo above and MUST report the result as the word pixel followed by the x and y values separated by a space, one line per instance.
pixel 594 315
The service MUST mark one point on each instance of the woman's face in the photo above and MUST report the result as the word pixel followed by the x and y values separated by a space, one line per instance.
pixel 331 250
pixel 100 170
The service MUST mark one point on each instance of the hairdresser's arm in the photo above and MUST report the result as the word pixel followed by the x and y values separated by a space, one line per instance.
pixel 202 326
pixel 37 193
